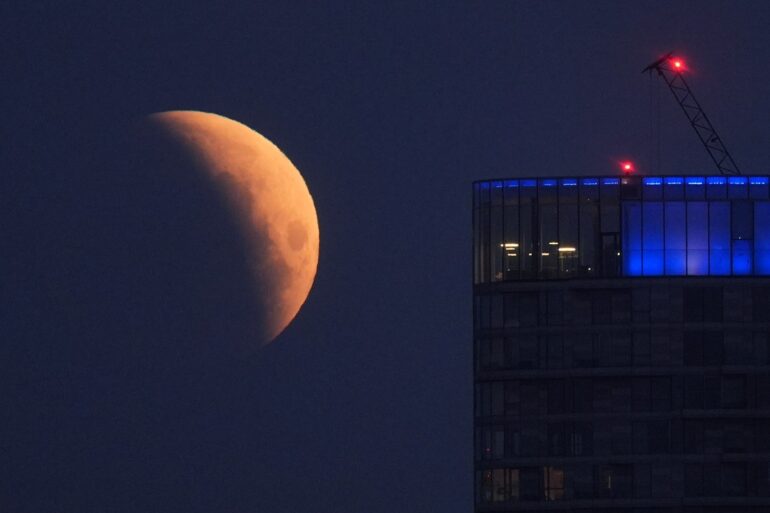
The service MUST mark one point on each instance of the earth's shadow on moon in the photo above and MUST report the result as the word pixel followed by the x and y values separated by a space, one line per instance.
pixel 128 370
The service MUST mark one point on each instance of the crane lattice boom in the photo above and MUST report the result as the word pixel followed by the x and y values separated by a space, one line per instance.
pixel 671 70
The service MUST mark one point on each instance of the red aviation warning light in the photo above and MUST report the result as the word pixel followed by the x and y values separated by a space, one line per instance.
pixel 627 167
pixel 672 70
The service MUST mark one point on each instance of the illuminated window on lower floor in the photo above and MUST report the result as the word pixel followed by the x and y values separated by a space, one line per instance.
pixel 500 485
pixel 553 481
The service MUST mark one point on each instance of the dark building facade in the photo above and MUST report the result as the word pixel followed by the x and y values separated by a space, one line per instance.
pixel 621 348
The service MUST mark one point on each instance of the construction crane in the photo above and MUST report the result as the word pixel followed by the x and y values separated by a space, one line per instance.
pixel 671 69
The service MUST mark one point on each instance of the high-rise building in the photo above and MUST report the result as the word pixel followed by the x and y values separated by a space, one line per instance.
pixel 622 358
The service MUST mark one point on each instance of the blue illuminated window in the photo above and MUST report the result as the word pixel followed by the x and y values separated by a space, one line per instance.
pixel 652 238
pixel 716 187
pixel 653 188
pixel 695 188
pixel 719 237
pixel 676 238
pixel 762 237
pixel 742 257
pixel 737 187
pixel 758 187
pixel 632 238
pixel 638 226
pixel 673 187
pixel 697 238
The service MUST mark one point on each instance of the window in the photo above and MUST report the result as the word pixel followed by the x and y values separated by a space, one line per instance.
pixel 581 439
pixel 712 348
pixel 601 306
pixel 528 352
pixel 613 481
pixel 693 480
pixel 496 235
pixel 491 353
pixel 568 249
pixel 703 304
pixel 556 439
pixel 659 436
pixel 651 437
pixel 641 394
pixel 582 349
pixel 489 400
pixel 761 303
pixel 693 348
pixel 742 220
pixel 511 243
pixel 697 238
pixel 702 348
pixel 739 348
pixel 589 230
pixel 734 391
pixel 492 442
pixel 621 306
pixel 528 309
pixel 530 487
pixel 620 436
pixel 582 395
pixel 556 397
pixel 549 236
pixel 500 485
pixel 693 436
pixel 661 393
pixel 520 310
pixel 735 437
pixel 527 216
pixel 555 347
pixel 734 479
pixel 512 401
pixel 693 392
pixel 675 238
pixel 642 354
pixel 530 399
pixel 513 439
pixel 582 481
pixel 553 480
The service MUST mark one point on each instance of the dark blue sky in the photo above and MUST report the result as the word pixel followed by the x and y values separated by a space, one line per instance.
pixel 390 110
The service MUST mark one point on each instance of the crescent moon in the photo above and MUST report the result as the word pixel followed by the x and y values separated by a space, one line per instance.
pixel 271 201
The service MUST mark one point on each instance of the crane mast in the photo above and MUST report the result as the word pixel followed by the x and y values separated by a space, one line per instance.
pixel 670 69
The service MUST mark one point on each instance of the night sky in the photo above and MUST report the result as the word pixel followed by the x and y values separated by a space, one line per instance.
pixel 390 110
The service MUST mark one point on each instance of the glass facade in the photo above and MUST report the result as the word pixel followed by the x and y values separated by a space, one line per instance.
pixel 622 345
pixel 630 226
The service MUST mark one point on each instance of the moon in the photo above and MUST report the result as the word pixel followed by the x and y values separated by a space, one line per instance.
pixel 271 202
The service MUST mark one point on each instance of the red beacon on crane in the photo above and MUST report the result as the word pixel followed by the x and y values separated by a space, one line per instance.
pixel 677 64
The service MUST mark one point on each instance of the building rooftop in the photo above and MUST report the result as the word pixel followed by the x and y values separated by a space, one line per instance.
pixel 609 226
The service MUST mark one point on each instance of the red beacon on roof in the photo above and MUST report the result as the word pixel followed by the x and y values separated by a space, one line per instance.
pixel 627 167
